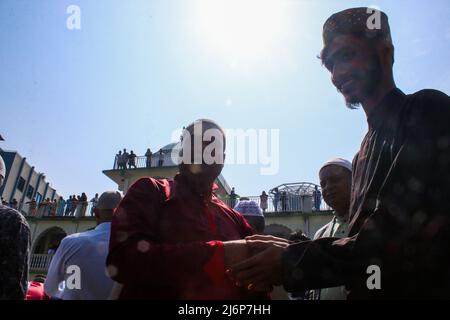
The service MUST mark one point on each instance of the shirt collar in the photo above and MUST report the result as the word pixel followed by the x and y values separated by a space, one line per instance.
pixel 182 189
pixel 339 219
pixel 103 226
pixel 385 112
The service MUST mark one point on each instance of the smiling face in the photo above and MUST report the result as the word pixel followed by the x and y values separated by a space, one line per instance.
pixel 355 67
pixel 335 182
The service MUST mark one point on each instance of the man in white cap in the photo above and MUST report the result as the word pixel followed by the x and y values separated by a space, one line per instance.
pixel 87 251
pixel 251 211
pixel 336 183
pixel 14 250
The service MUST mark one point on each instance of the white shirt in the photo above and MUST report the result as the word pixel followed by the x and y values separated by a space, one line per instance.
pixel 87 250
pixel 94 202
pixel 337 228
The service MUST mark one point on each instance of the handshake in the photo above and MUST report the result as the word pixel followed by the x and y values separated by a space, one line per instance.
pixel 255 262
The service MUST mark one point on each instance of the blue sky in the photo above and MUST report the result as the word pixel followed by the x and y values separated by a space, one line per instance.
pixel 138 70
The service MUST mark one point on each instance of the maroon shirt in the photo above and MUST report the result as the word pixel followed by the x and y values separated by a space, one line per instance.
pixel 166 243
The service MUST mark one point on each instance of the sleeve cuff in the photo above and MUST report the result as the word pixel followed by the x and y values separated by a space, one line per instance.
pixel 215 267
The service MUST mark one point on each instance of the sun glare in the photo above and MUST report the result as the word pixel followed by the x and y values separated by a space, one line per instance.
pixel 241 29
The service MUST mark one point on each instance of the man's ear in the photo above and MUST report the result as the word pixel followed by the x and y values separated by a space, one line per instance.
pixel 387 55
pixel 391 55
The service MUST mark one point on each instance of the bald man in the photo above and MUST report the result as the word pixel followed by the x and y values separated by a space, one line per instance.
pixel 173 239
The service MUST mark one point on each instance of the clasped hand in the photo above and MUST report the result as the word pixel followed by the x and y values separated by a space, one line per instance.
pixel 255 262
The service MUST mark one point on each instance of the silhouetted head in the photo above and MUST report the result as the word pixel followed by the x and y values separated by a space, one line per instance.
pixel 202 152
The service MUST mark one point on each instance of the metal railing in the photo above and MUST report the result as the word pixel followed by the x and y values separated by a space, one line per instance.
pixel 156 160
pixel 290 203
pixel 76 209
pixel 40 262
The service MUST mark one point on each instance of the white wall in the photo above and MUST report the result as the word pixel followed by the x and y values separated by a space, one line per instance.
pixel 70 226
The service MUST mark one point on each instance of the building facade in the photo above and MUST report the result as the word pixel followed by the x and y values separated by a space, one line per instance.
pixel 23 182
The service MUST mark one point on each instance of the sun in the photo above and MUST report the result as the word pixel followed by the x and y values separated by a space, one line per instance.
pixel 241 29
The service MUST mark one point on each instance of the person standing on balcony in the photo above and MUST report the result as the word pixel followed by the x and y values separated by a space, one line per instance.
pixel 15 242
pixel 160 158
pixel 125 158
pixel 116 160
pixel 132 160
pixel 83 204
pixel 61 205
pixel 53 208
pixel 317 195
pixel 284 206
pixel 263 201
pixel 233 198
pixel 69 204
pixel 47 207
pixel 94 202
pixel 276 198
pixel 174 239
pixel 32 205
pixel 119 160
pixel 14 204
pixel 74 205
pixel 41 206
pixel 148 158
pixel 88 251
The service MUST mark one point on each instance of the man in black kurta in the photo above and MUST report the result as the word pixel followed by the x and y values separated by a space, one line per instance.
pixel 400 208
pixel 400 202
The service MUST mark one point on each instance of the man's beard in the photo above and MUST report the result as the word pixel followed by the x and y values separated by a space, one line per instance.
pixel 202 179
pixel 370 79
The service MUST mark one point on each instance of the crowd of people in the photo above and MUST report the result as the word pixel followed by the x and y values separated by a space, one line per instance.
pixel 175 239
pixel 282 201
pixel 125 160
pixel 12 204
pixel 74 206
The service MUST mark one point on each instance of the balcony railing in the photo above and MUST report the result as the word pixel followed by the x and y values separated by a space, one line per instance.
pixel 40 262
pixel 156 160
pixel 290 203
pixel 75 210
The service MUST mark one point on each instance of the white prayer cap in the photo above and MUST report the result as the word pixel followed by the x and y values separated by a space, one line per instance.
pixel 338 162
pixel 249 208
